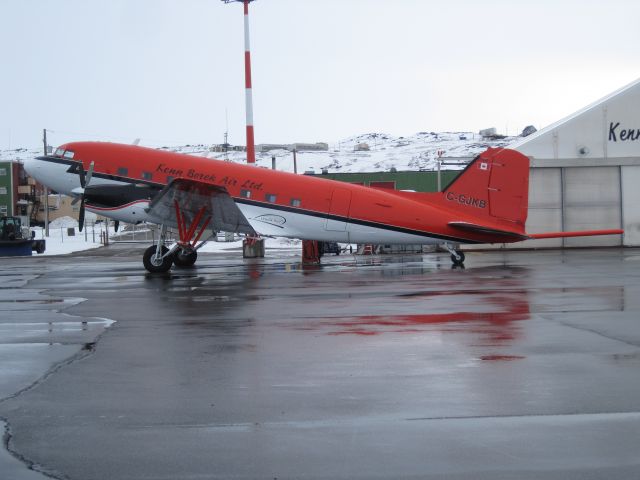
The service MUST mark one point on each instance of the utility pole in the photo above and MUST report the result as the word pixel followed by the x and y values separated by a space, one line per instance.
pixel 440 153
pixel 295 161
pixel 226 135
pixel 251 149
pixel 46 189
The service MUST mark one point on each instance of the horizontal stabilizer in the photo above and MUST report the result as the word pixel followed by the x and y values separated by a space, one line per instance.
pixel 472 227
pixel 586 233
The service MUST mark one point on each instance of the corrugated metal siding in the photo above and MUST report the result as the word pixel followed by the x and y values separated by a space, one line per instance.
pixel 545 205
pixel 631 204
pixel 592 202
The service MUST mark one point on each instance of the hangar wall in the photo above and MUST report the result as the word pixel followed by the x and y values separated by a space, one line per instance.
pixel 585 172
pixel 630 177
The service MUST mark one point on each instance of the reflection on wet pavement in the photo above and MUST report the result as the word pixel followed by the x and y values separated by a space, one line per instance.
pixel 522 365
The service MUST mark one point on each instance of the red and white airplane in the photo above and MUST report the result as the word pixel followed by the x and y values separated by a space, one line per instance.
pixel 486 203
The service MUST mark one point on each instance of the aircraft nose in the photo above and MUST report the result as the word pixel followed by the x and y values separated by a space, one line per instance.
pixel 34 167
pixel 31 165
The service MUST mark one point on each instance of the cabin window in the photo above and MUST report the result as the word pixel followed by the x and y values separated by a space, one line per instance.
pixel 3 209
pixel 59 152
pixel 123 171
pixel 3 190
pixel 3 172
pixel 147 175
pixel 295 202
pixel 245 193
pixel 68 154
pixel 270 197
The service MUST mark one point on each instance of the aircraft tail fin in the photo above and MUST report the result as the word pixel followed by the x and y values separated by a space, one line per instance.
pixel 494 187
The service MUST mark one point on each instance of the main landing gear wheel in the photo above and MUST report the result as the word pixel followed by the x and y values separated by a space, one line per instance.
pixel 155 264
pixel 457 258
pixel 185 259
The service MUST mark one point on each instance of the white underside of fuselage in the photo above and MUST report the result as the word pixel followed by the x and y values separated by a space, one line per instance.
pixel 271 222
pixel 133 212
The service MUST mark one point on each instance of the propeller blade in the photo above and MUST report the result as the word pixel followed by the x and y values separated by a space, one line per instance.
pixel 89 174
pixel 81 173
pixel 81 216
pixel 117 225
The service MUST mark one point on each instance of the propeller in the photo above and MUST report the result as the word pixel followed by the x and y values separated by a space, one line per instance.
pixel 85 178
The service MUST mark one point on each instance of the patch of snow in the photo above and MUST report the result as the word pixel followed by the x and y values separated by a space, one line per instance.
pixel 415 152
pixel 60 242
pixel 63 222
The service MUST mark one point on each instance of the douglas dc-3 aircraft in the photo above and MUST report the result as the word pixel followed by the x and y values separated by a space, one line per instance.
pixel 486 203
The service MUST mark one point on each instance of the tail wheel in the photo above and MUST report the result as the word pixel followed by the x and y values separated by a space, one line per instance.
pixel 154 264
pixel 457 258
pixel 185 259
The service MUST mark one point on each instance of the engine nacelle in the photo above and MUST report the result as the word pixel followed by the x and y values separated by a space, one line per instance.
pixel 126 203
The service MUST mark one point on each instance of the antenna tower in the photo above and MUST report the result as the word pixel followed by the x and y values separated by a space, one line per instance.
pixel 251 149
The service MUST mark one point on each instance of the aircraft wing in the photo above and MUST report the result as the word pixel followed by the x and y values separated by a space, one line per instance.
pixel 503 234
pixel 192 200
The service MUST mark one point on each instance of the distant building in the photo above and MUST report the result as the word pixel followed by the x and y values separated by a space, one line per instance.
pixel 311 147
pixel 267 147
pixel 488 132
pixel 361 147
pixel 300 147
pixel 399 180
pixel 585 173
pixel 491 134
pixel 225 147
pixel 18 192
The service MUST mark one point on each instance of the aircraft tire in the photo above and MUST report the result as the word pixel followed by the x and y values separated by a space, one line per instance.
pixel 183 260
pixel 152 265
pixel 458 261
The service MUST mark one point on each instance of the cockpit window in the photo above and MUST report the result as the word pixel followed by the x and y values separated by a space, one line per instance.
pixel 68 154
pixel 59 152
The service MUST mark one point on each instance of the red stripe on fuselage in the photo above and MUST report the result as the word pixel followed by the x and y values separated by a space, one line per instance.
pixel 119 207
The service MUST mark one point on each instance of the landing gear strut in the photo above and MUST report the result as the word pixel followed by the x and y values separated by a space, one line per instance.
pixel 158 258
pixel 457 256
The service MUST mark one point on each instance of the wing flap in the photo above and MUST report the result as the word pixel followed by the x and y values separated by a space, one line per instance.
pixel 191 196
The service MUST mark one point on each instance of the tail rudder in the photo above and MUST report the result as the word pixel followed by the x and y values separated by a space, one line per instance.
pixel 495 186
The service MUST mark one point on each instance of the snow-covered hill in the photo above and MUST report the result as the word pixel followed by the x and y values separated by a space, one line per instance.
pixel 416 152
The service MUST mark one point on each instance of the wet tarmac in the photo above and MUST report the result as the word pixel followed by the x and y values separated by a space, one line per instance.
pixel 523 365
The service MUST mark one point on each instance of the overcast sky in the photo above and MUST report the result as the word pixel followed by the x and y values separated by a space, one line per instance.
pixel 171 71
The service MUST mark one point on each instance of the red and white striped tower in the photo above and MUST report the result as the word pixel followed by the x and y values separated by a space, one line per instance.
pixel 251 148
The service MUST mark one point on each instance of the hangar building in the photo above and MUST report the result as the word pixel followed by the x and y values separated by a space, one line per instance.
pixel 585 173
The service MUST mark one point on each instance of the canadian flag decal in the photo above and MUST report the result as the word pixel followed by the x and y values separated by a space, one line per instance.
pixel 484 166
